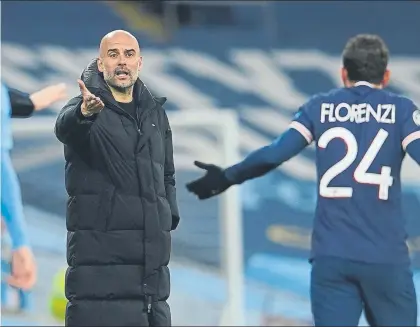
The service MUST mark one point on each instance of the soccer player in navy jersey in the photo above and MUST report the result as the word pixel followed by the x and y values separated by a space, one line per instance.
pixel 359 256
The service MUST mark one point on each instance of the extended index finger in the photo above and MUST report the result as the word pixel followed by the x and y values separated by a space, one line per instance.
pixel 82 87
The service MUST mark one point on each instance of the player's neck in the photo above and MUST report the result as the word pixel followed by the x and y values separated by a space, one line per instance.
pixel 359 83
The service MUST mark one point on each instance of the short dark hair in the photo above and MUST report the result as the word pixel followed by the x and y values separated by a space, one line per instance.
pixel 365 57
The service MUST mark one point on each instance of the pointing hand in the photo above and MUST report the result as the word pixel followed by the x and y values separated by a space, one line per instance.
pixel 91 104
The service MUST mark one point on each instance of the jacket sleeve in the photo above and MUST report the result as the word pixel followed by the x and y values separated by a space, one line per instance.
pixel 71 127
pixel 21 103
pixel 169 171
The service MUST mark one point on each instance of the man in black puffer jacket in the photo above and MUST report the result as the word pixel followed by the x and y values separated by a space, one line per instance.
pixel 122 203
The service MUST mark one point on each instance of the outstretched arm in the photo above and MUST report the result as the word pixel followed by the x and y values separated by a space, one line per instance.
pixel 21 103
pixel 24 104
pixel 258 163
pixel 76 118
pixel 71 127
pixel 267 158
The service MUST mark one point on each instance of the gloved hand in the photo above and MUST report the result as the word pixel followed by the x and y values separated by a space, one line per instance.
pixel 212 183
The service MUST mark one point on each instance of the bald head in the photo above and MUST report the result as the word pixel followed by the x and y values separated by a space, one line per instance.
pixel 118 37
pixel 120 60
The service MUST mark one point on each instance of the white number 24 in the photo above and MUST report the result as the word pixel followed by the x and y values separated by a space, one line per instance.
pixel 383 180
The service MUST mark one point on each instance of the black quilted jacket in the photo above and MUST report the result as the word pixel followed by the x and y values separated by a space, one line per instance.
pixel 121 209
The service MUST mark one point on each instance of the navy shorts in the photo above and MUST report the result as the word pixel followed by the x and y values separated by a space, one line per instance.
pixel 342 289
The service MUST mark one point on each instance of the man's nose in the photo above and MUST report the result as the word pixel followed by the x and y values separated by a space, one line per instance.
pixel 122 61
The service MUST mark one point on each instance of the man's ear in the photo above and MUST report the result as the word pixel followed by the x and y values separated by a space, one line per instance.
pixel 344 76
pixel 100 64
pixel 387 77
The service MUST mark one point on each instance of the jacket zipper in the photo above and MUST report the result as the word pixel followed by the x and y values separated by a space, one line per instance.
pixel 137 123
pixel 128 115
pixel 149 304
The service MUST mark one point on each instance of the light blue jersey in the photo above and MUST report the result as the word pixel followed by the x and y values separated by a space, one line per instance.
pixel 5 124
pixel 11 197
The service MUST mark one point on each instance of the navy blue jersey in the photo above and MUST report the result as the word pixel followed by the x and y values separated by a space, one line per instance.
pixel 360 135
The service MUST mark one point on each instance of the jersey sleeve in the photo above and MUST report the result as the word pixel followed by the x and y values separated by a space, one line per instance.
pixel 6 140
pixel 303 123
pixel 410 125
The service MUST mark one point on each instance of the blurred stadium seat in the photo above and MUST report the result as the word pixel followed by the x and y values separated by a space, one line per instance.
pixel 262 60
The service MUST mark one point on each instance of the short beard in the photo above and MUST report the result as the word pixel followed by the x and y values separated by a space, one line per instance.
pixel 120 89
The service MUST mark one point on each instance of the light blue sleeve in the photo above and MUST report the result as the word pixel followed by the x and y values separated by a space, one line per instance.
pixel 11 197
pixel 6 117
pixel 11 203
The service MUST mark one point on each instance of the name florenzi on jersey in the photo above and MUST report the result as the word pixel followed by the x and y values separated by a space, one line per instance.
pixel 357 113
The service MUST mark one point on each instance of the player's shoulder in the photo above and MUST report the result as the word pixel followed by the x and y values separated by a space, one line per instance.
pixel 398 98
pixel 405 107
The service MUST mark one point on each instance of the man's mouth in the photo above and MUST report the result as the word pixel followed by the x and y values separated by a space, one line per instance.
pixel 122 75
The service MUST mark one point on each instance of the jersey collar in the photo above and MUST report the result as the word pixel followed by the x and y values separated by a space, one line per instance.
pixel 360 83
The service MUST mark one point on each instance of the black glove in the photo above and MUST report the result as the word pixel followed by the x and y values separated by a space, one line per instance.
pixel 212 183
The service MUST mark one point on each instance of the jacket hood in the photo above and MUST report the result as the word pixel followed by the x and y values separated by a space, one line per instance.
pixel 94 81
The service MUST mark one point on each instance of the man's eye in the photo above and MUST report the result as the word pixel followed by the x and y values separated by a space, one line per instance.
pixel 113 55
pixel 130 54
